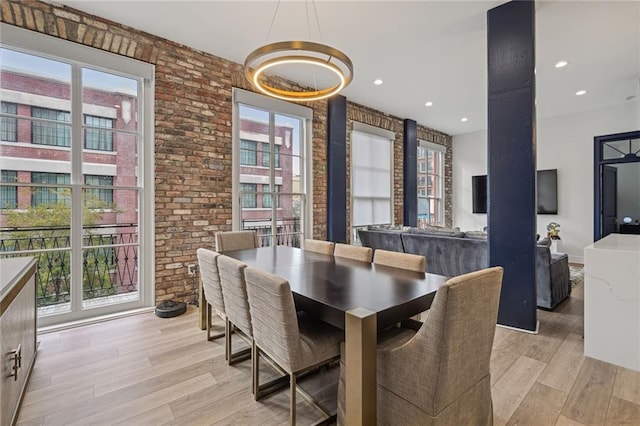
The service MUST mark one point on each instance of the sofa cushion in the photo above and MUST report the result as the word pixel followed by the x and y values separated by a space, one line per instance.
pixel 478 235
pixel 445 232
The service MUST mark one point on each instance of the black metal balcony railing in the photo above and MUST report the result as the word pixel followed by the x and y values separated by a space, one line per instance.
pixel 287 231
pixel 109 260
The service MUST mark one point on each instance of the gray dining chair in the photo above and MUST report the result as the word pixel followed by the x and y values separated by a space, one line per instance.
pixel 410 262
pixel 238 318
pixel 211 288
pixel 294 341
pixel 236 240
pixel 439 375
pixel 317 246
pixel 348 251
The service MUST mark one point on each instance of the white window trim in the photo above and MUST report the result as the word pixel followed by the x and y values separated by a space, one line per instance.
pixel 443 150
pixel 241 96
pixel 43 45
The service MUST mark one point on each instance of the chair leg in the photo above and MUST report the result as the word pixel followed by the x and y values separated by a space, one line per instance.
pixel 255 370
pixel 292 387
pixel 208 318
pixel 228 329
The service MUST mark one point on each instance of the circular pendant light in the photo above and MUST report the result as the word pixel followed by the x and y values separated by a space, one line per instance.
pixel 298 52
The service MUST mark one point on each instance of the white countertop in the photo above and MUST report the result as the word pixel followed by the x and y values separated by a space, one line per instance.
pixel 618 242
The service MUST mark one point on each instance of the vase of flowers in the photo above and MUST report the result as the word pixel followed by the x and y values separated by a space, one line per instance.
pixel 553 231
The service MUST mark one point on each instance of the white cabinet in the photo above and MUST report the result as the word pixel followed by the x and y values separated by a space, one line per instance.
pixel 17 332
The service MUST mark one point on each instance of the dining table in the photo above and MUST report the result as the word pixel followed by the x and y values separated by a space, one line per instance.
pixel 361 298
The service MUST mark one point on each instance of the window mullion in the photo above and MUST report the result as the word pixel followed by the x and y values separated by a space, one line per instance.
pixel 76 188
pixel 272 176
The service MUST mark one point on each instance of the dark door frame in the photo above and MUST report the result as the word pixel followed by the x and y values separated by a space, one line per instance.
pixel 598 162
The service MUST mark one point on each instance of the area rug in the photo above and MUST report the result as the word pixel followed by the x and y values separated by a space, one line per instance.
pixel 576 274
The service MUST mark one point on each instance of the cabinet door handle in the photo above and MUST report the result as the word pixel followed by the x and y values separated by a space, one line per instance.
pixel 16 356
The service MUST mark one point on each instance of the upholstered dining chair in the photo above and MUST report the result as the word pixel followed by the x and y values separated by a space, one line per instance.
pixel 211 288
pixel 236 240
pixel 234 293
pixel 317 246
pixel 348 251
pixel 294 341
pixel 410 262
pixel 440 375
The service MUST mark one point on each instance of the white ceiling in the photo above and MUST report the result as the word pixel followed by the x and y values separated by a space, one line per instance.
pixel 422 50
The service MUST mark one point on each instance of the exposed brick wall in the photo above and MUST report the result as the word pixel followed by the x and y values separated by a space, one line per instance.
pixel 193 113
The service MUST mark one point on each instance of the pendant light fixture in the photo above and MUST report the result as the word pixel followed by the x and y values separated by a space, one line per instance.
pixel 283 53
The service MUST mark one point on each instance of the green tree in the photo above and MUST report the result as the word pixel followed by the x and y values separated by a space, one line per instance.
pixel 46 227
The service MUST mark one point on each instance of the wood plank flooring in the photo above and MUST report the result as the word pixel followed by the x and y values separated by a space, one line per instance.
pixel 144 370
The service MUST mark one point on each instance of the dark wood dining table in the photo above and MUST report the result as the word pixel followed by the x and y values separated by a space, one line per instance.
pixel 358 297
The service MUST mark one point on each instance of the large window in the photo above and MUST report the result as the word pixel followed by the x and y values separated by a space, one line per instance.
pixel 248 195
pixel 248 153
pixel 101 197
pixel 48 195
pixel 371 176
pixel 266 196
pixel 430 181
pixel 77 210
pixel 8 193
pixel 8 125
pixel 95 134
pixel 266 155
pixel 271 199
pixel 48 132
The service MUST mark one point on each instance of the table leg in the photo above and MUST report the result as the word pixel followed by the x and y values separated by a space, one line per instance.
pixel 202 307
pixel 360 361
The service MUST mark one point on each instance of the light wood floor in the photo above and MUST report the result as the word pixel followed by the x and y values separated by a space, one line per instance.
pixel 145 370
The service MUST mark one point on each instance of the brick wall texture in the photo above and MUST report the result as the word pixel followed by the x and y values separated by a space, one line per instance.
pixel 193 139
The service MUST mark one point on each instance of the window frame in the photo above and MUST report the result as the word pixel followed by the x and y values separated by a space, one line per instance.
pixel 42 125
pixel 278 107
pixel 7 121
pixel 104 195
pixel 99 131
pixel 52 179
pixel 249 192
pixel 250 153
pixel 429 176
pixel 80 56
pixel 379 133
pixel 8 191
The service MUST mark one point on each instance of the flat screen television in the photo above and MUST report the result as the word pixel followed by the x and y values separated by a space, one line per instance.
pixel 547 196
pixel 547 191
pixel 479 189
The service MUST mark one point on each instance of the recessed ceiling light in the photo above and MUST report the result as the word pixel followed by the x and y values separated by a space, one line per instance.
pixel 377 82
pixel 428 103
pixel 464 119
pixel 562 64
pixel 581 92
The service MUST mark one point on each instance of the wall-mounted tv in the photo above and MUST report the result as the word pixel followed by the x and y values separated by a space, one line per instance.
pixel 479 188
pixel 547 197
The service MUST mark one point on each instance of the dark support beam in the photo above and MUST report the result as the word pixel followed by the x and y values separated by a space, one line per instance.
pixel 410 176
pixel 337 169
pixel 512 158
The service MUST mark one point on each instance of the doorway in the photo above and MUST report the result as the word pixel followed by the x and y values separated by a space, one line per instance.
pixel 616 184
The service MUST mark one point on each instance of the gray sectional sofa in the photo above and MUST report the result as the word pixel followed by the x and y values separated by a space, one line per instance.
pixel 451 253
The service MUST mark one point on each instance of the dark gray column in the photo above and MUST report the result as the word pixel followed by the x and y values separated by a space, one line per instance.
pixel 409 179
pixel 337 169
pixel 512 158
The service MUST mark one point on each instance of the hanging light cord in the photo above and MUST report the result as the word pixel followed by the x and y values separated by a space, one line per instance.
pixel 273 20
